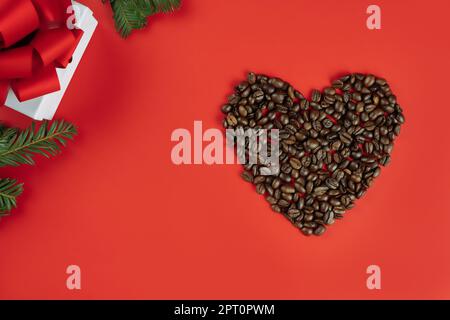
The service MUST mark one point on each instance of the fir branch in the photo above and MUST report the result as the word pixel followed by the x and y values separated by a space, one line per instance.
pixel 165 6
pixel 9 191
pixel 132 15
pixel 19 147
pixel 127 16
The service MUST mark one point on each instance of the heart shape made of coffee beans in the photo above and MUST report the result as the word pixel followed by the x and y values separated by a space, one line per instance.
pixel 331 147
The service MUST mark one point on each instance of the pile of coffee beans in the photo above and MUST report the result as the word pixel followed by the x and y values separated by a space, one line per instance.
pixel 331 146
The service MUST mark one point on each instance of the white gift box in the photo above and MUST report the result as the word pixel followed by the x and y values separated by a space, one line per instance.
pixel 44 107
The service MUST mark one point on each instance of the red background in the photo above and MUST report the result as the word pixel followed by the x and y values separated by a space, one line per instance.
pixel 140 227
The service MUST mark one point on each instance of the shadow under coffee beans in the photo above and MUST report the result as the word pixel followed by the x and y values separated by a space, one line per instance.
pixel 331 147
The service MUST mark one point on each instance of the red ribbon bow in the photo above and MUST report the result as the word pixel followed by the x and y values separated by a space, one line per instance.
pixel 34 41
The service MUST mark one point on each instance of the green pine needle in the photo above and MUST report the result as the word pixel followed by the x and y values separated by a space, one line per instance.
pixel 127 16
pixel 19 147
pixel 9 190
pixel 132 15
pixel 165 6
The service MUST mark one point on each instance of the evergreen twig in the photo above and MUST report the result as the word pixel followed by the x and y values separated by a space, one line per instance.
pixel 18 147
pixel 9 190
pixel 132 15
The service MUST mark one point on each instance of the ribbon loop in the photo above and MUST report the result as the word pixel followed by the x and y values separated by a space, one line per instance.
pixel 34 40
pixel 52 13
pixel 53 44
pixel 45 81
pixel 16 63
pixel 18 18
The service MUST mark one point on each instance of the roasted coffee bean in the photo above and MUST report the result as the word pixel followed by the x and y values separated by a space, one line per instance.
pixel 369 108
pixel 332 183
pixel 331 147
pixel 231 120
pixel 309 187
pixel 338 84
pixel 345 138
pixel 277 98
pixel 285 177
pixel 315 96
pixel 311 224
pixel 295 163
pixel 287 189
pixel 324 206
pixel 243 111
pixel 312 144
pixel 300 203
pixel 328 218
pixel 283 203
pixel 329 91
pixel 376 172
pixel 355 178
pixel 247 176
pixel 260 188
pixel 320 191
pixel 335 202
pixel 233 99
pixel 319 230
pixel 242 86
pixel 271 200
pixel 287 196
pixel 259 179
pixel 251 78
pixel 327 123
pixel 268 89
pixel 276 183
pixel 369 80
pixel 276 208
pixel 277 194
pixel 258 96
pixel 368 147
pixel 277 83
pixel 376 113
pixel 291 93
pixel 270 190
pixel 294 213
pixel 299 187
pixel 227 108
